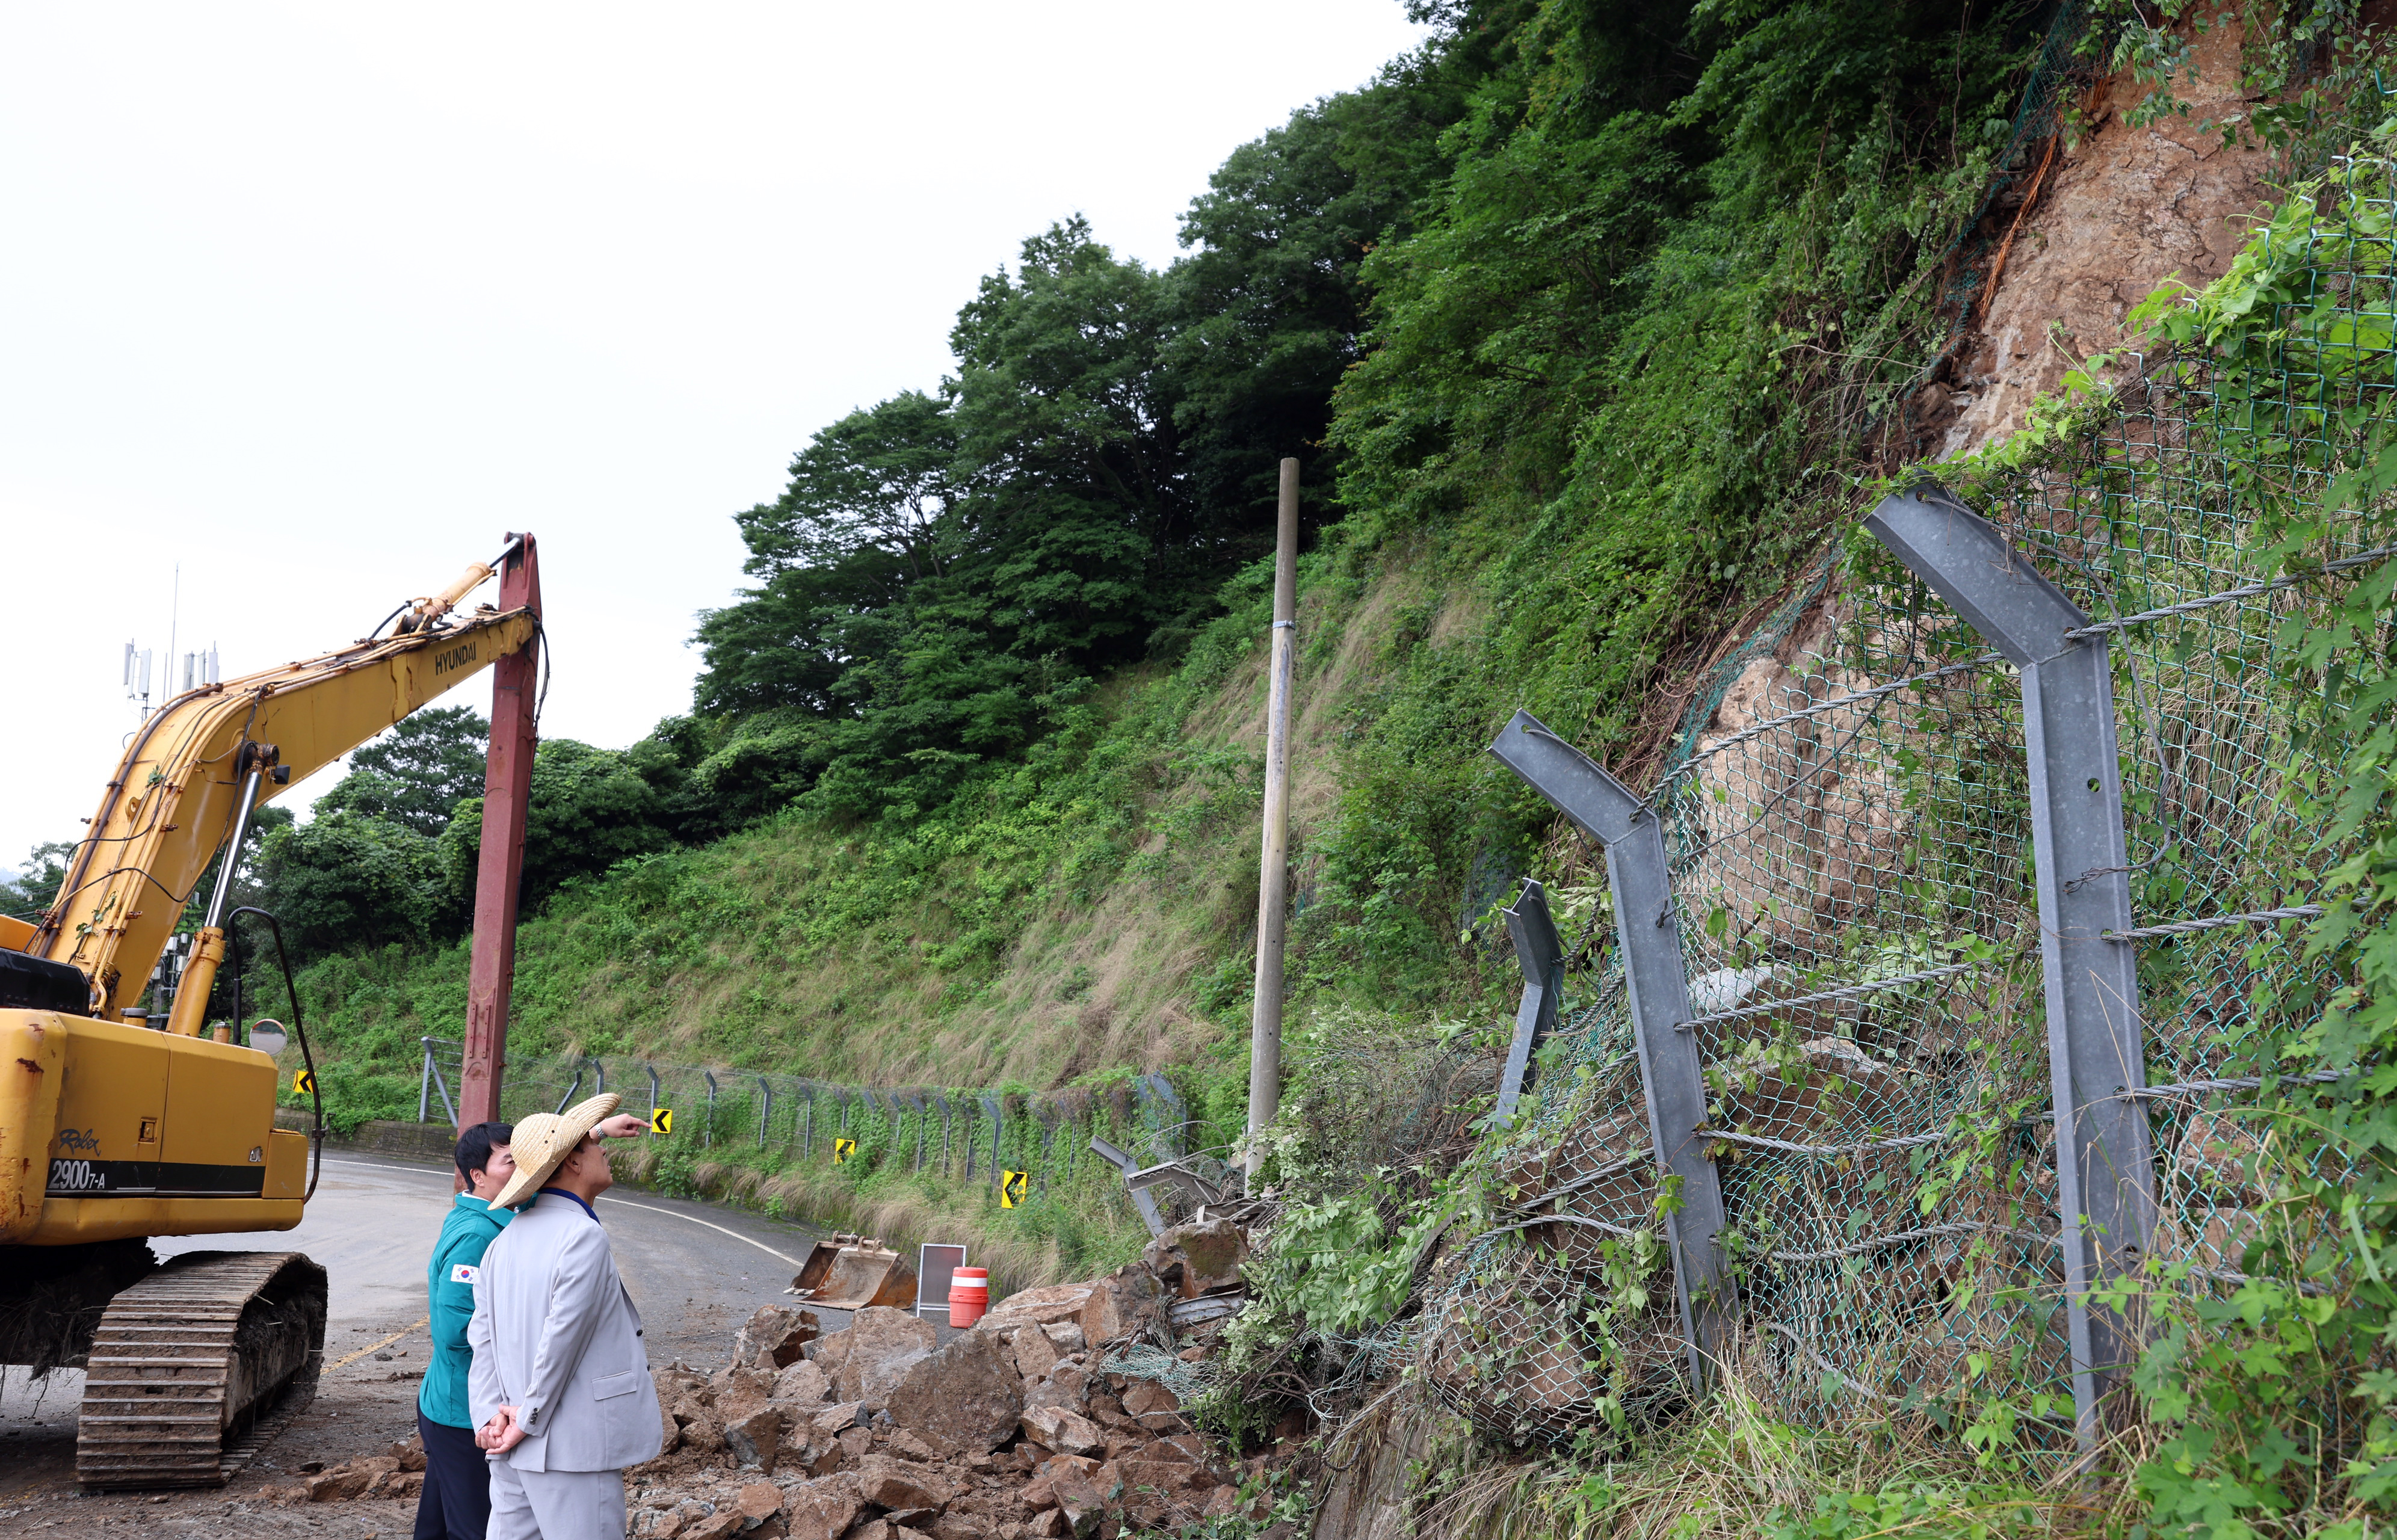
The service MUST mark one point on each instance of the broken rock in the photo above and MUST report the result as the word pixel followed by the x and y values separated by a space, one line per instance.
pixel 866 1363
pixel 963 1400
pixel 897 1484
pixel 905 1444
pixel 775 1338
pixel 1148 1396
pixel 1198 1259
pixel 1120 1304
pixel 757 1438
pixel 1066 1384
pixel 822 1509
pixel 1059 1302
pixel 1080 1503
pixel 1034 1351
pixel 803 1384
pixel 1067 1432
pixel 338 1485
pixel 741 1391
pixel 759 1501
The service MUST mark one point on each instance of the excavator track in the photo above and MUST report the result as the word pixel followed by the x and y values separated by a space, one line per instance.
pixel 187 1366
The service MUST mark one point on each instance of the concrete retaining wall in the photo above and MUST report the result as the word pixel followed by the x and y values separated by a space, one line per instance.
pixel 424 1141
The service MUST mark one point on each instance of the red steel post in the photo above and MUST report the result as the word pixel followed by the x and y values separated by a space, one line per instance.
pixel 507 799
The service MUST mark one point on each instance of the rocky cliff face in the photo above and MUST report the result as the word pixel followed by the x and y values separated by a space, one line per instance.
pixel 2102 223
pixel 2113 218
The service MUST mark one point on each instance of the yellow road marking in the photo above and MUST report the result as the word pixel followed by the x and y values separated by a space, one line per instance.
pixel 376 1347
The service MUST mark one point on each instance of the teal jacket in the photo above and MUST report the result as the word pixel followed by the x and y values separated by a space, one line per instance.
pixel 449 1291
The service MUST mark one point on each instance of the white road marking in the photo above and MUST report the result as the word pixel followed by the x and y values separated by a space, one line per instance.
pixel 369 1165
pixel 734 1234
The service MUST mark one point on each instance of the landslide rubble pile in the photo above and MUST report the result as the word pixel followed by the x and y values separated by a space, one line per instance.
pixel 1014 1428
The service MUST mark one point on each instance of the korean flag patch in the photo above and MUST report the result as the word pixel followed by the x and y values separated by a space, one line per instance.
pixel 460 1273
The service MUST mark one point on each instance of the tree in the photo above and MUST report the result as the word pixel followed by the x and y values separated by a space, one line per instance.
pixel 36 886
pixel 843 552
pixel 878 479
pixel 347 882
pixel 590 809
pixel 418 772
pixel 1271 301
pixel 1074 530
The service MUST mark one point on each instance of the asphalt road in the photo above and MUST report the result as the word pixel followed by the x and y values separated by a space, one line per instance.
pixel 696 1273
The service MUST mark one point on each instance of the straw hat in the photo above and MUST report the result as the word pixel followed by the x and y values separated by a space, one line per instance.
pixel 544 1141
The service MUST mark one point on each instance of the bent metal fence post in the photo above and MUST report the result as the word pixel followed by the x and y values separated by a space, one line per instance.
pixel 2106 1170
pixel 433 1080
pixel 1542 958
pixel 1669 1070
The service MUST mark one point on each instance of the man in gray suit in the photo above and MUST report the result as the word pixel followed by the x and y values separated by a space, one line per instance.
pixel 560 1386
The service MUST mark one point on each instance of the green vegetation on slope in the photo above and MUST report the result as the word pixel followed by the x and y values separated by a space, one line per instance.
pixel 1574 316
pixel 1631 291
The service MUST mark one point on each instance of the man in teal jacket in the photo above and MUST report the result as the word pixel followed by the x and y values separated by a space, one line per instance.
pixel 456 1504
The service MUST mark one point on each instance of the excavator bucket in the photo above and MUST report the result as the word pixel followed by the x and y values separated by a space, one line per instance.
pixel 849 1273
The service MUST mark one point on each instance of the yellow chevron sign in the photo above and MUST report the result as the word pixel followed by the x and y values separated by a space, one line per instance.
pixel 1012 1185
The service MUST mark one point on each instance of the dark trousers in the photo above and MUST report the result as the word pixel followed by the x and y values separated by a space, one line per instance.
pixel 457 1500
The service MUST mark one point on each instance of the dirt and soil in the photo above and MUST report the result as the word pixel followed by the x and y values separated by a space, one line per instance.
pixel 2102 223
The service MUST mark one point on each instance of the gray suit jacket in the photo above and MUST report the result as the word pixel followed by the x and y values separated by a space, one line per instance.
pixel 555 1336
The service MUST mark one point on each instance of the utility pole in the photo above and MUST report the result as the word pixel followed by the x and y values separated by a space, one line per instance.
pixel 507 799
pixel 1264 1016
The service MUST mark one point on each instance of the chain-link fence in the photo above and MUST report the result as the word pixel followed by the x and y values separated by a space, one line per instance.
pixel 984 1135
pixel 1946 1095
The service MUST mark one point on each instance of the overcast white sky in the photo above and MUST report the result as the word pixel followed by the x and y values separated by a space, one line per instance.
pixel 320 299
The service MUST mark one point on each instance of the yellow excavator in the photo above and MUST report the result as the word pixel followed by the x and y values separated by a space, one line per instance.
pixel 116 1129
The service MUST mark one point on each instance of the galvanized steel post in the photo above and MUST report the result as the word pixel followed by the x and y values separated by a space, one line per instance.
pixel 1141 1200
pixel 1675 1083
pixel 2105 1158
pixel 992 1104
pixel 1173 1114
pixel 1045 1143
pixel 1542 958
pixel 764 1108
pixel 433 1068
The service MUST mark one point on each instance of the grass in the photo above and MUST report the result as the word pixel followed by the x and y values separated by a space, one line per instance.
pixel 1074 1230
pixel 1737 1473
pixel 1088 911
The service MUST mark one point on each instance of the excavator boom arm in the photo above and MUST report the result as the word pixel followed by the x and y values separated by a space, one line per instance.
pixel 175 796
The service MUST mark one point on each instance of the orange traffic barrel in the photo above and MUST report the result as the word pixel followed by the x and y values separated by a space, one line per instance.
pixel 969 1295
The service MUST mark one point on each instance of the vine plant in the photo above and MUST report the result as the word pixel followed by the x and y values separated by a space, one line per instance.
pixel 2270 1391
